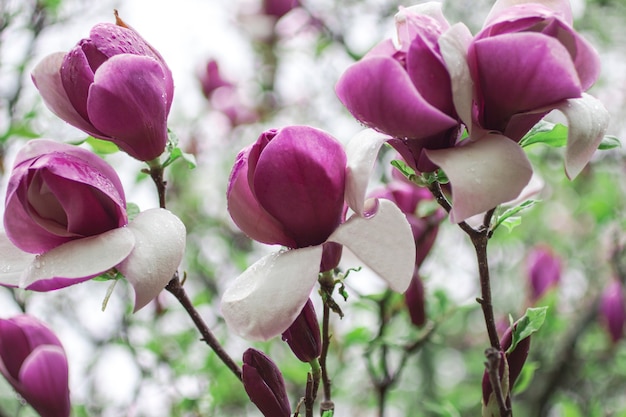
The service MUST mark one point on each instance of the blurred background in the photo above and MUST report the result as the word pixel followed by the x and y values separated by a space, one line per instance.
pixel 241 67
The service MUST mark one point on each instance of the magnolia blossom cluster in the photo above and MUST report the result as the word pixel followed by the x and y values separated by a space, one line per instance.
pixel 447 99
pixel 65 217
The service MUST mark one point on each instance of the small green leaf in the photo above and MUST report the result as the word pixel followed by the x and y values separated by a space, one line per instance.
pixel 328 413
pixel 406 170
pixel 102 147
pixel 132 210
pixel 551 134
pixel 523 381
pixel 530 323
pixel 508 218
pixel 609 142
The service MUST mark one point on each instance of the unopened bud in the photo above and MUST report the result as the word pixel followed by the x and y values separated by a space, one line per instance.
pixel 544 271
pixel 613 310
pixel 415 301
pixel 303 336
pixel 264 384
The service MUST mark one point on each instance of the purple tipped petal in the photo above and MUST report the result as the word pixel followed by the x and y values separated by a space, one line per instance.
pixel 159 248
pixel 78 260
pixel 47 79
pixel 127 103
pixel 44 381
pixel 380 94
pixel 533 69
pixel 383 241
pixel 268 296
pixel 483 174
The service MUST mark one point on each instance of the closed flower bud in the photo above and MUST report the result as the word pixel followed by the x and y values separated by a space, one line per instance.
pixel 544 271
pixel 613 310
pixel 112 85
pixel 415 301
pixel 264 384
pixel 34 363
pixel 303 336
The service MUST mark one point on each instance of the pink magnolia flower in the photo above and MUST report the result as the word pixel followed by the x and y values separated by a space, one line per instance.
pixel 613 310
pixel 289 188
pixel 391 92
pixel 544 271
pixel 113 86
pixel 33 361
pixel 211 79
pixel 264 384
pixel 65 221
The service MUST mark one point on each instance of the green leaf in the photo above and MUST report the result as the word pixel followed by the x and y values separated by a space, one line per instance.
pixel 609 142
pixel 102 147
pixel 547 133
pixel 132 210
pixel 530 323
pixel 508 218
pixel 525 378
pixel 328 413
pixel 406 170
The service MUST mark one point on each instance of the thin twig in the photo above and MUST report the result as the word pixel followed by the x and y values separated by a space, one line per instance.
pixel 178 291
pixel 494 358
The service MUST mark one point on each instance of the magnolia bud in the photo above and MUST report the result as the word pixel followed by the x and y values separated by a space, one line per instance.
pixel 544 271
pixel 613 310
pixel 264 384
pixel 415 302
pixel 303 336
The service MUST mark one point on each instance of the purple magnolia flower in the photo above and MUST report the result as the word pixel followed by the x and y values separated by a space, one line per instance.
pixel 405 90
pixel 65 220
pixel 288 188
pixel 530 51
pixel 211 79
pixel 544 271
pixel 33 361
pixel 613 310
pixel 113 86
pixel 422 91
pixel 303 336
pixel 264 384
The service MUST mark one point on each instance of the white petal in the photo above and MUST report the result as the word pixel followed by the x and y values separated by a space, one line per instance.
pixel 384 242
pixel 483 174
pixel 268 296
pixel 160 237
pixel 13 262
pixel 587 122
pixel 87 257
pixel 361 153
pixel 453 45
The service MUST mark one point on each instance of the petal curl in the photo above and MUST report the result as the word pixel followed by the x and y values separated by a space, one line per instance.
pixel 483 174
pixel 47 79
pixel 160 245
pixel 453 45
pixel 587 120
pixel 78 260
pixel 383 241
pixel 361 153
pixel 268 296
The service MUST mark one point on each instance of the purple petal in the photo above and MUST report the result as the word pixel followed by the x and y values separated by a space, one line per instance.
pixel 43 381
pixel 300 179
pixel 13 354
pixel 128 102
pixel 383 241
pixel 379 93
pixel 534 70
pixel 47 79
pixel 159 248
pixel 588 120
pixel 78 260
pixel 245 210
pixel 483 174
pixel 268 296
